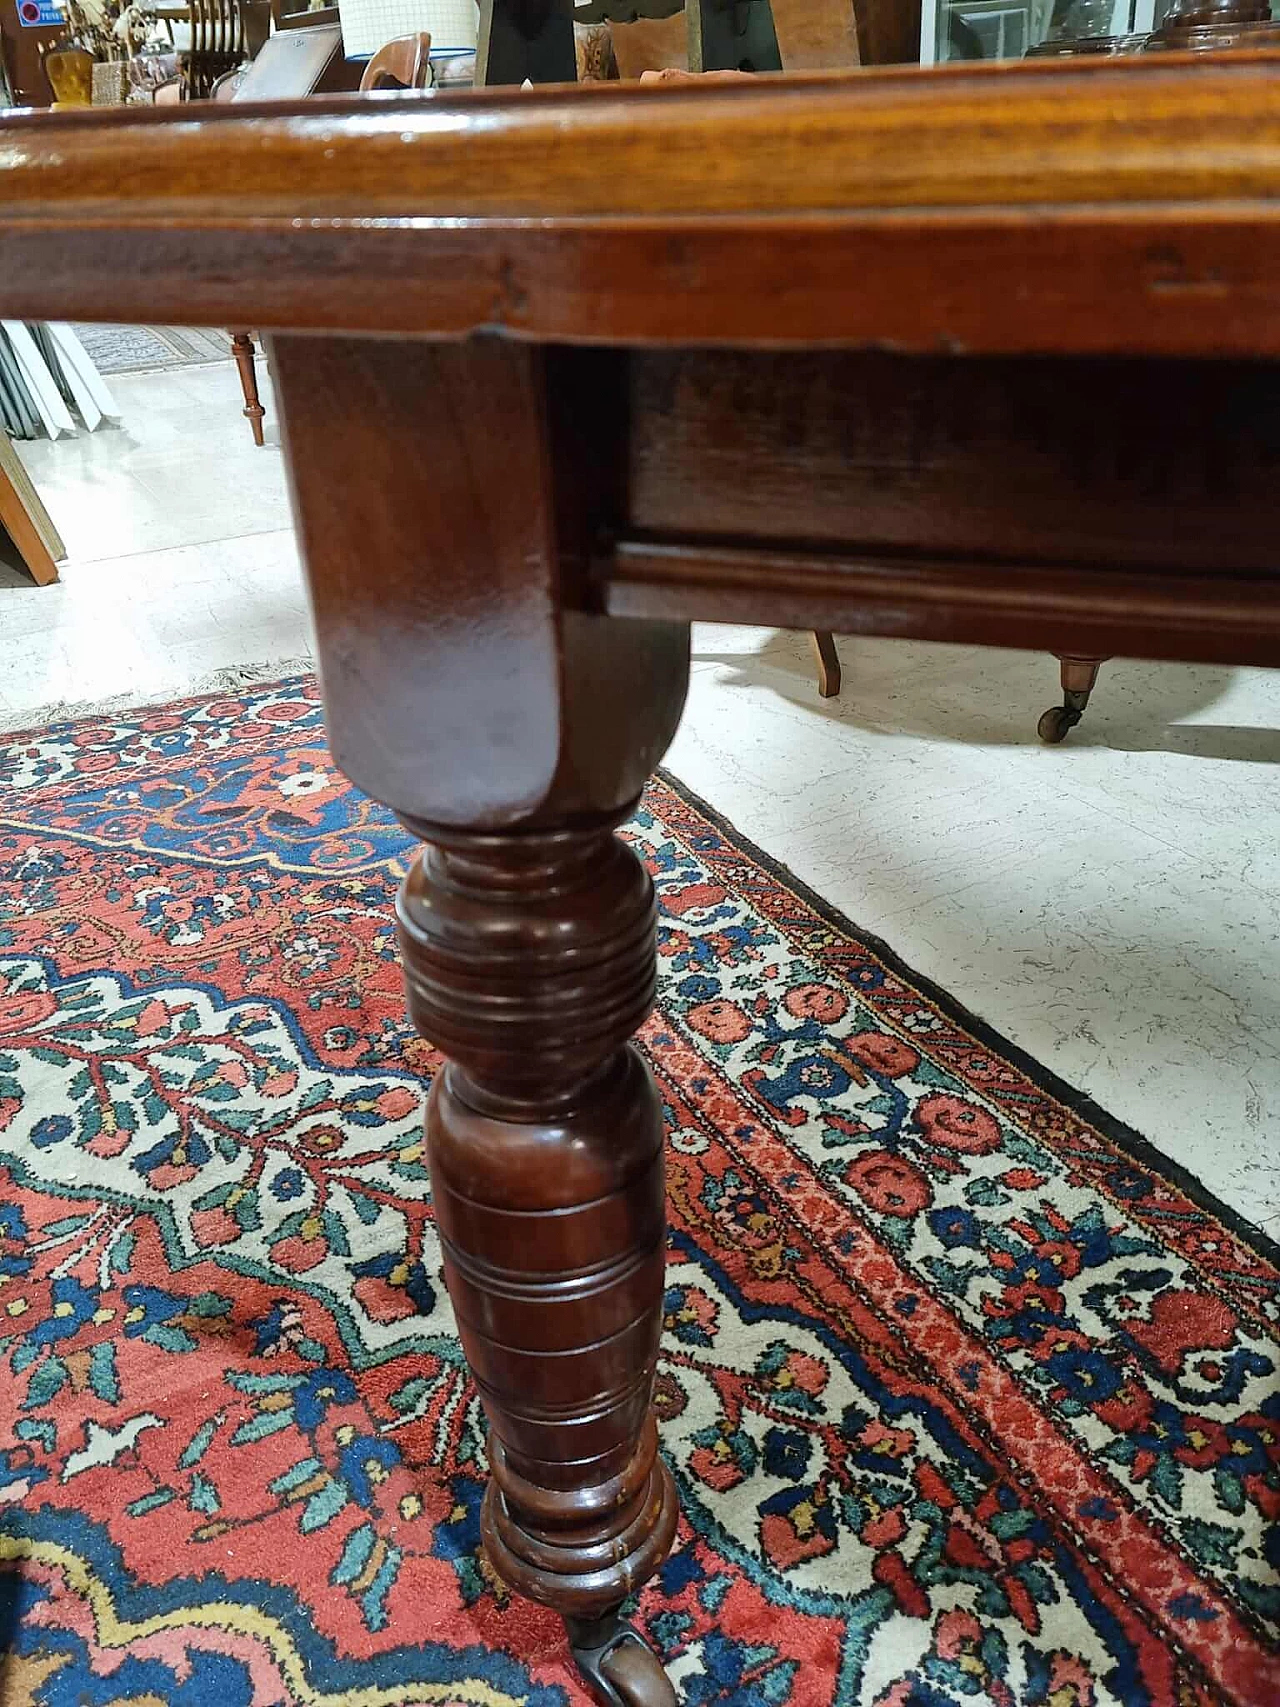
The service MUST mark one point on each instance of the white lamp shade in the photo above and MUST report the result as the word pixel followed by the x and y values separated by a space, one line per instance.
pixel 368 25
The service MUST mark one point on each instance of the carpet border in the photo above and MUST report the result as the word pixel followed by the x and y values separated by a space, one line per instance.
pixel 171 337
pixel 1078 1102
pixel 32 721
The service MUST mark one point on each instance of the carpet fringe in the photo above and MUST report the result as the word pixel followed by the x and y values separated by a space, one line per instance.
pixel 225 680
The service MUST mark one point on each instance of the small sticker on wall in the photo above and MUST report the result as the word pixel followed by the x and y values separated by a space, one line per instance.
pixel 35 14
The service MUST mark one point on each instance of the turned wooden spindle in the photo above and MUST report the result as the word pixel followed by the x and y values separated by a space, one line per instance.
pixel 529 959
pixel 243 351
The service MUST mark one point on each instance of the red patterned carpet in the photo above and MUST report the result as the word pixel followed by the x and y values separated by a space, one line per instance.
pixel 968 1399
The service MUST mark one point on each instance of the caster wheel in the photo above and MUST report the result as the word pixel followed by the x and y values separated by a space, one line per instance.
pixel 619 1667
pixel 635 1671
pixel 1055 723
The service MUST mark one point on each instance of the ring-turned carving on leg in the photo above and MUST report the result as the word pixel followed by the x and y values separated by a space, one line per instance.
pixel 530 961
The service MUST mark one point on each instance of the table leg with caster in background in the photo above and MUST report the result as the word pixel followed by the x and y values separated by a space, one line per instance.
pixel 1078 678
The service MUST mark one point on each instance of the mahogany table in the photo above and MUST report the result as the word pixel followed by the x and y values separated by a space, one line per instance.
pixel 980 354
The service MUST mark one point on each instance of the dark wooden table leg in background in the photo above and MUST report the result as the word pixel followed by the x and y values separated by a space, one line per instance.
pixel 828 661
pixel 242 349
pixel 444 523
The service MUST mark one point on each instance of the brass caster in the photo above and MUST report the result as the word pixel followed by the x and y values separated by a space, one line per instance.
pixel 1078 676
pixel 1055 723
pixel 618 1665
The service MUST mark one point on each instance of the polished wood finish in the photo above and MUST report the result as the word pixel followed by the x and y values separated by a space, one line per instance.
pixel 650 44
pixel 939 496
pixel 255 23
pixel 883 353
pixel 1126 206
pixel 1122 462
pixel 888 31
pixel 1200 618
pixel 1212 26
pixel 817 35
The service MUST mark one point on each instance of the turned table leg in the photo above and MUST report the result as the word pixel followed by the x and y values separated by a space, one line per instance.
pixel 242 349
pixel 469 685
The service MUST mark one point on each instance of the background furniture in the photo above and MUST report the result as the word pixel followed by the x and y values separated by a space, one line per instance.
pixel 25 525
pixel 404 63
pixel 217 45
pixel 506 674
pixel 295 62
pixel 242 348
pixel 298 60
pixel 22 48
pixel 1078 676
pixel 827 660
pixel 1207 26
pixel 515 43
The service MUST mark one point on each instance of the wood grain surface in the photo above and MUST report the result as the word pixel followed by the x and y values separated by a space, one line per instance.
pixel 1123 462
pixel 1099 612
pixel 1106 206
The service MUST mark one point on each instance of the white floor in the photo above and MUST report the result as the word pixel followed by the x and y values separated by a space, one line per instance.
pixel 1112 905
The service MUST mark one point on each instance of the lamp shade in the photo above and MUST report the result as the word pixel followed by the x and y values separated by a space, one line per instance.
pixel 368 25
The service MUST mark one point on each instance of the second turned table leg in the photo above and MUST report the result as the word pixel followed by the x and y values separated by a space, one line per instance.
pixel 242 349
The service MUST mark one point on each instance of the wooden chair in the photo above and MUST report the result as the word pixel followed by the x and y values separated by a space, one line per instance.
pixel 301 61
pixel 217 45
pixel 226 88
pixel 403 63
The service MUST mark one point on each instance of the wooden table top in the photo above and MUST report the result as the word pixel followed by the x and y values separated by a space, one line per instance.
pixel 1123 206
